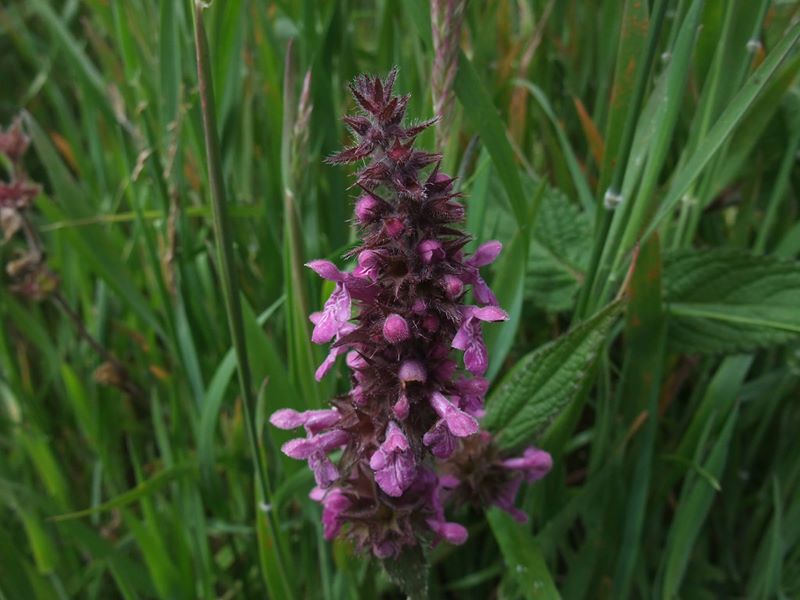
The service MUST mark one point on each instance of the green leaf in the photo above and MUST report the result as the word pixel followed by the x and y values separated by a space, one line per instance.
pixel 545 381
pixel 524 560
pixel 640 388
pixel 409 571
pixel 724 301
pixel 578 178
pixel 215 393
pixel 480 111
pixel 559 252
pixel 631 47
pixel 724 126
pixel 143 489
pixel 693 507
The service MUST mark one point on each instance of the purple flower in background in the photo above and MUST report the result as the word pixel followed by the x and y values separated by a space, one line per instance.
pixel 397 448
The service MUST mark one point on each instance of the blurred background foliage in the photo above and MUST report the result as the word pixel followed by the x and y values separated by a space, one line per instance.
pixel 126 472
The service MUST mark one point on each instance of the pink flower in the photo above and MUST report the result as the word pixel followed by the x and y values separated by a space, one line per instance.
pixel 472 392
pixel 534 464
pixel 315 449
pixel 314 421
pixel 394 463
pixel 439 440
pixel 458 422
pixel 470 339
pixel 334 504
pixel 334 316
pixel 334 352
pixel 369 263
pixel 451 532
pixel 398 316
pixel 484 255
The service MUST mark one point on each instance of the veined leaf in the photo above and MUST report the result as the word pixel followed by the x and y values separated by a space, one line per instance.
pixel 546 380
pixel 729 301
pixel 559 251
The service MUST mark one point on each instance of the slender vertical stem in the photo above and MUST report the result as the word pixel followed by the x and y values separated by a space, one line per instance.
pixel 606 213
pixel 225 256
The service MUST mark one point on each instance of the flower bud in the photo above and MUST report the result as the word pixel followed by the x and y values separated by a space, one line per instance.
pixel 412 370
pixel 401 407
pixel 394 227
pixel 430 251
pixel 395 329
pixel 368 209
pixel 442 178
pixel 431 323
pixel 453 286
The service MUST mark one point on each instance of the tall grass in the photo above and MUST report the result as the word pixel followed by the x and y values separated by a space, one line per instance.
pixel 638 159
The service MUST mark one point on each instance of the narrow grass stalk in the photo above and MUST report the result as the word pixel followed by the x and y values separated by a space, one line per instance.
pixel 230 285
pixel 605 209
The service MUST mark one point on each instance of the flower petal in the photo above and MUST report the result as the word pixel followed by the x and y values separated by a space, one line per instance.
pixel 286 418
pixel 439 440
pixel 452 532
pixel 334 318
pixel 485 254
pixel 327 270
pixel 325 472
pixel 458 422
pixel 534 463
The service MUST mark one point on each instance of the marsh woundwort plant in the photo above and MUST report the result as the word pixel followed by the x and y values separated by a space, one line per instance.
pixel 407 434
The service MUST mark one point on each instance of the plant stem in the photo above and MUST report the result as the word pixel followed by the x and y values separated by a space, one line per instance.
pixel 228 274
pixel 605 214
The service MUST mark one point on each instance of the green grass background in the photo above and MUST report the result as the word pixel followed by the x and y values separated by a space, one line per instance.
pixel 674 429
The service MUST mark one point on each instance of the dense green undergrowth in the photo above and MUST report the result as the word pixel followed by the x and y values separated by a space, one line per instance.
pixel 636 158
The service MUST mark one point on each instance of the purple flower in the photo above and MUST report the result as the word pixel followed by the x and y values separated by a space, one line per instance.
pixel 453 286
pixel 369 263
pixel 484 255
pixel 334 352
pixel 314 421
pixel 394 463
pixel 334 503
pixel 408 427
pixel 459 423
pixel 534 464
pixel 315 449
pixel 505 499
pixel 452 532
pixel 334 317
pixel 401 407
pixel 470 339
pixel 472 392
pixel 441 442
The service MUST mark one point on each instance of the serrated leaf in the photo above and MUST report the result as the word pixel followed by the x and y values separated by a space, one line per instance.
pixel 559 252
pixel 545 381
pixel 723 301
pixel 560 244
